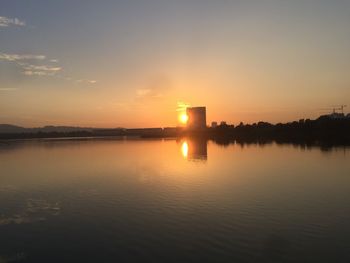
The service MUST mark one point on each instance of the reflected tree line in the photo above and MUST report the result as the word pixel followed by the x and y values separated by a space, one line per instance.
pixel 195 148
pixel 324 133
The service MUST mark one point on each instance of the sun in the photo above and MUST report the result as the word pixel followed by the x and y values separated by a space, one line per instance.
pixel 183 118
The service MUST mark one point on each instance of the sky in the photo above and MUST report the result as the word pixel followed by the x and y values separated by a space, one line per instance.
pixel 131 63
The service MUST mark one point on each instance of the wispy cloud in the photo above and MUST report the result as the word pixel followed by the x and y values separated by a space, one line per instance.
pixel 38 73
pixel 6 21
pixel 17 57
pixel 39 65
pixel 89 81
pixel 149 94
pixel 42 70
pixel 182 106
pixel 143 92
pixel 156 88
pixel 34 65
pixel 25 61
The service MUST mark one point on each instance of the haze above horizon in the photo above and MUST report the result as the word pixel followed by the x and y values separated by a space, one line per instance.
pixel 130 63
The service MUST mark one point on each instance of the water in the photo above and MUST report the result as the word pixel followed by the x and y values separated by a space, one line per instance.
pixel 100 200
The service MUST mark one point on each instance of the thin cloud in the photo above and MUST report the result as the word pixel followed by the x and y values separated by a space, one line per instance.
pixel 143 92
pixel 29 69
pixel 42 70
pixel 182 106
pixel 30 66
pixel 6 22
pixel 38 73
pixel 151 93
pixel 86 81
pixel 17 57
pixel 156 88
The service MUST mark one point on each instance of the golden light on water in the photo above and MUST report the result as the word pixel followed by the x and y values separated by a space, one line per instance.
pixel 184 149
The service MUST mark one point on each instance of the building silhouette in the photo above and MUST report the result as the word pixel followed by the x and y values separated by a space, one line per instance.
pixel 197 149
pixel 197 118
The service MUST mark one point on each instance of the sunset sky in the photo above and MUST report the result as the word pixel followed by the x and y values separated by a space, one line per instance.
pixel 130 63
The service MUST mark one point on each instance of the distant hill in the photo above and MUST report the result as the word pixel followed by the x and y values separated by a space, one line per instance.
pixel 8 128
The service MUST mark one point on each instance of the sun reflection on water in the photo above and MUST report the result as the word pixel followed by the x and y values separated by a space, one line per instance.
pixel 184 149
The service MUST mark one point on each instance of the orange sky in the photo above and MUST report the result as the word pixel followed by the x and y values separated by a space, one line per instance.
pixel 130 64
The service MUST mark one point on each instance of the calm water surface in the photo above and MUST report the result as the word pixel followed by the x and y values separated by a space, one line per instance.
pixel 172 201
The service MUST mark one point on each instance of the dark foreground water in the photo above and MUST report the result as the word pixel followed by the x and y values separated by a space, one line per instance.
pixel 172 201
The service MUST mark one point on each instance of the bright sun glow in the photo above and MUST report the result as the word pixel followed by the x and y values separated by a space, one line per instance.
pixel 184 149
pixel 183 118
